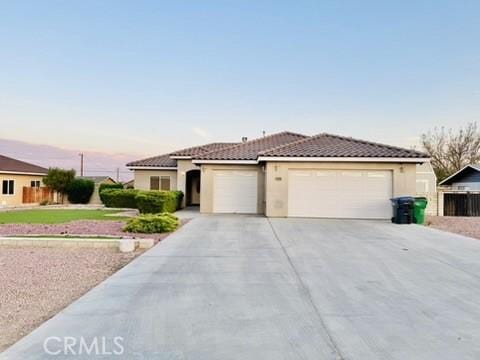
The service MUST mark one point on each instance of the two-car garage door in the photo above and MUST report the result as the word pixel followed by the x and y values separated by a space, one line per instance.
pixel 340 194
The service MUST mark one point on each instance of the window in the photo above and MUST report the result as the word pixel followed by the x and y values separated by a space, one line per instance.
pixel 35 183
pixel 159 182
pixel 165 183
pixel 154 183
pixel 8 187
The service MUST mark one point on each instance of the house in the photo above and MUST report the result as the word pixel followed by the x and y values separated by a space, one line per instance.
pixel 466 179
pixel 15 175
pixel 459 194
pixel 287 174
pixel 97 180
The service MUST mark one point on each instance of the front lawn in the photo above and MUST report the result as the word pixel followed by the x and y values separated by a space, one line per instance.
pixel 53 216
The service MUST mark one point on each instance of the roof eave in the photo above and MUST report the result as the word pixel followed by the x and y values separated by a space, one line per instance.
pixel 444 181
pixel 151 168
pixel 344 159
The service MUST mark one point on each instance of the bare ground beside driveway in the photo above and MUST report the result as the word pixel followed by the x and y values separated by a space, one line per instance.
pixel 36 283
pixel 467 226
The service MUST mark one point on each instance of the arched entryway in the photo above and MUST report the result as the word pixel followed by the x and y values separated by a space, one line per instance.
pixel 192 188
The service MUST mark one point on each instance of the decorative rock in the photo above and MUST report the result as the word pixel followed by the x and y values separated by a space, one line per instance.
pixel 126 245
pixel 145 243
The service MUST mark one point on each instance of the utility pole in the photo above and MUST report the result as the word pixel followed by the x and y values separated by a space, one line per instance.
pixel 118 174
pixel 81 163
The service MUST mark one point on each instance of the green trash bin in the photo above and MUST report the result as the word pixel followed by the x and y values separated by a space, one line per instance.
pixel 419 206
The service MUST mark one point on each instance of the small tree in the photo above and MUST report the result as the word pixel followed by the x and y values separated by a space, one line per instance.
pixel 80 191
pixel 59 179
pixel 452 150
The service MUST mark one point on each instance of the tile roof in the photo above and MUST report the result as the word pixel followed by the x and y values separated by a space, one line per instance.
pixel 17 166
pixel 96 179
pixel 249 150
pixel 201 149
pixel 155 161
pixel 328 145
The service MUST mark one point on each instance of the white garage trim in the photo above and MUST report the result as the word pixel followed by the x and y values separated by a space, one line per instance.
pixel 362 194
pixel 235 191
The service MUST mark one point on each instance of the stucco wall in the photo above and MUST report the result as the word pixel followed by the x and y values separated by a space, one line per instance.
pixel 20 182
pixel 206 189
pixel 404 180
pixel 142 178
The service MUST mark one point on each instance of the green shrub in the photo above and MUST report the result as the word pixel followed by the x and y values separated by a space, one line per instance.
pixel 153 202
pixel 79 191
pixel 152 223
pixel 108 186
pixel 119 198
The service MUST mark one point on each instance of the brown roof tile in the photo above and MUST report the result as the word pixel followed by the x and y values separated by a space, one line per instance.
pixel 328 145
pixel 249 150
pixel 17 166
pixel 201 149
pixel 155 161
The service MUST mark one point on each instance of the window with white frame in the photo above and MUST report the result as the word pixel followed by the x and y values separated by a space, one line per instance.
pixel 8 187
pixel 35 183
pixel 160 183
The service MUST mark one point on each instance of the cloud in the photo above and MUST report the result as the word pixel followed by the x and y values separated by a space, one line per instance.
pixel 200 132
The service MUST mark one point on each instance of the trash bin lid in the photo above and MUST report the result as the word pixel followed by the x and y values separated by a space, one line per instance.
pixel 404 199
pixel 421 202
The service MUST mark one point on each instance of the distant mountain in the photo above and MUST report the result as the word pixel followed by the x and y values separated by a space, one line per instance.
pixel 95 163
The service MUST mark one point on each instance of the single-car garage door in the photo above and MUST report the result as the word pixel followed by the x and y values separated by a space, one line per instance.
pixel 235 191
pixel 340 194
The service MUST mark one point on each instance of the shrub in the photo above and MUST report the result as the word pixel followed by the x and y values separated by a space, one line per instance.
pixel 119 198
pixel 79 191
pixel 152 223
pixel 152 202
pixel 108 186
pixel 179 196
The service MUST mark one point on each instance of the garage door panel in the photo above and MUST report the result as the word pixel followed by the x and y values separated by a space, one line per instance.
pixel 340 193
pixel 235 191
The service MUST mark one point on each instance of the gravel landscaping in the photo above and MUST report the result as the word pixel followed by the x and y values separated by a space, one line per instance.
pixel 37 283
pixel 468 226
pixel 79 227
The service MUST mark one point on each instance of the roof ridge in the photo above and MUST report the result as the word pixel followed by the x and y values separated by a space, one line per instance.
pixel 299 141
pixel 253 141
pixel 349 138
pixel 202 147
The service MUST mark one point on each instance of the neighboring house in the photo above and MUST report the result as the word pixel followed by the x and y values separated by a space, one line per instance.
pixel 466 179
pixel 288 174
pixel 427 187
pixel 129 184
pixel 14 176
pixel 98 180
pixel 459 194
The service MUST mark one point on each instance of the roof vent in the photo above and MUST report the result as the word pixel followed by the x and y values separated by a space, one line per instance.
pixel 244 139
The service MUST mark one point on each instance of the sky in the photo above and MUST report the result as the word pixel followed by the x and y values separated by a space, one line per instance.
pixel 147 77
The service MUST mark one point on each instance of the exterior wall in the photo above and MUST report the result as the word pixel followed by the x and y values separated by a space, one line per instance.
pixel 206 186
pixel 183 166
pixel 404 180
pixel 427 187
pixel 20 182
pixel 466 186
pixel 142 178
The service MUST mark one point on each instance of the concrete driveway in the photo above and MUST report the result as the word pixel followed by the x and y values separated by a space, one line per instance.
pixel 238 287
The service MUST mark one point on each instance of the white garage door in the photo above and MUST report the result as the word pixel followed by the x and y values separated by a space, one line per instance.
pixel 235 191
pixel 340 194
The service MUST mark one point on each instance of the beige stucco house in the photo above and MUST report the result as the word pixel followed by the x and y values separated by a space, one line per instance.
pixel 288 175
pixel 14 176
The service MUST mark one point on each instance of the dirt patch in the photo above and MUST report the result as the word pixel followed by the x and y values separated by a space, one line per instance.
pixel 79 227
pixel 37 283
pixel 467 226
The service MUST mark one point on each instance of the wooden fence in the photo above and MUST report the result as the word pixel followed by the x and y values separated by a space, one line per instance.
pixel 461 204
pixel 33 195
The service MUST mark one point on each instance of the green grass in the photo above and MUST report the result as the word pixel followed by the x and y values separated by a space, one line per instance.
pixel 63 237
pixel 52 216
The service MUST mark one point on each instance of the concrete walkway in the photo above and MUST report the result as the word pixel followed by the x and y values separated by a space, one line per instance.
pixel 238 287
